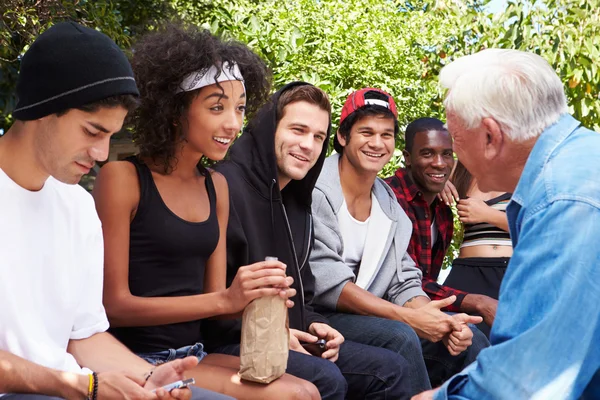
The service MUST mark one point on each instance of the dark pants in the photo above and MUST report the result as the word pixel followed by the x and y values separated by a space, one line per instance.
pixel 197 394
pixel 361 372
pixel 478 275
pixel 430 363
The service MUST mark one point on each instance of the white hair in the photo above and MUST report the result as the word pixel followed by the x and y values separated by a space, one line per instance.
pixel 519 90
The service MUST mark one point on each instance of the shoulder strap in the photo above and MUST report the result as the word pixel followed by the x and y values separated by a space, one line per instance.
pixel 210 188
pixel 502 197
pixel 145 180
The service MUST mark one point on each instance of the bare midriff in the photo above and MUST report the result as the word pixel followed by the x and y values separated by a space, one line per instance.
pixel 485 250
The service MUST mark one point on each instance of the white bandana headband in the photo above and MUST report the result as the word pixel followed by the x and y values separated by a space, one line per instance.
pixel 208 76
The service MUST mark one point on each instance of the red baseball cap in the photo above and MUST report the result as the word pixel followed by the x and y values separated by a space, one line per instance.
pixel 362 98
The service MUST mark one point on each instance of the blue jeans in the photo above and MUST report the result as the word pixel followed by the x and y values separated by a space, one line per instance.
pixel 430 363
pixel 197 394
pixel 165 356
pixel 161 357
pixel 361 372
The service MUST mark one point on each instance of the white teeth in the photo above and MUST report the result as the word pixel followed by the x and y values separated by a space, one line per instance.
pixel 222 140
pixel 373 154
pixel 437 175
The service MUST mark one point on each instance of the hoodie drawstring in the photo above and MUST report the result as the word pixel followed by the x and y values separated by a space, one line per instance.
pixel 273 182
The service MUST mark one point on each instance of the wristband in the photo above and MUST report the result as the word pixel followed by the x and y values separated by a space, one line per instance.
pixel 90 387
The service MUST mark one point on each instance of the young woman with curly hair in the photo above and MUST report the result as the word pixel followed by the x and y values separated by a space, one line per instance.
pixel 165 216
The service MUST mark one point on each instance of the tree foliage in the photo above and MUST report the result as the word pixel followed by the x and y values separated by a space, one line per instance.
pixel 23 20
pixel 564 32
pixel 340 46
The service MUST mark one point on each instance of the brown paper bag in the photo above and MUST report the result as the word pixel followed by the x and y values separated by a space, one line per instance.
pixel 265 340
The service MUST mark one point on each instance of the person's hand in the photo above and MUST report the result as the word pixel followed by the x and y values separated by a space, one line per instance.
pixel 473 211
pixel 458 341
pixel 297 336
pixel 431 323
pixel 265 278
pixel 449 194
pixel 333 337
pixel 482 305
pixel 122 385
pixel 428 395
pixel 170 372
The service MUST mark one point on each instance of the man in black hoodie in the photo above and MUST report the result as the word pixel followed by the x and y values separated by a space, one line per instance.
pixel 271 173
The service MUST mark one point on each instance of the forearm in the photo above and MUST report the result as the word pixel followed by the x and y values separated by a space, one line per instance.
pixel 102 352
pixel 18 375
pixel 498 219
pixel 356 300
pixel 469 305
pixel 417 302
pixel 129 310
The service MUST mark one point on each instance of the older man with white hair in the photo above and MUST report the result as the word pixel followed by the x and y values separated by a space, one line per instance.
pixel 507 113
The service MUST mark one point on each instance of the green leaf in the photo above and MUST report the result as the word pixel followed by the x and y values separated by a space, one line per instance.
pixel 254 24
pixel 282 54
pixel 585 110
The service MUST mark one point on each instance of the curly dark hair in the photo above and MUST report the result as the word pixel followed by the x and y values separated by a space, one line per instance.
pixel 161 60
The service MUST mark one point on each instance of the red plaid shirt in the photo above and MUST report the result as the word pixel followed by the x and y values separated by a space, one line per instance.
pixel 420 213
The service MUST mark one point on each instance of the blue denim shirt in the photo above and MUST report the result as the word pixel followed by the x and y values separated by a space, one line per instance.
pixel 546 335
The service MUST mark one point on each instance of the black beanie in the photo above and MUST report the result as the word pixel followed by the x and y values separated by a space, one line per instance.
pixel 69 66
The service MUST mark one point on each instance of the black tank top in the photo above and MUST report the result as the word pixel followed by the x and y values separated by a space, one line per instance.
pixel 167 257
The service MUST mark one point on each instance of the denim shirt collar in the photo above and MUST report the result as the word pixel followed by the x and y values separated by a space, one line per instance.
pixel 547 142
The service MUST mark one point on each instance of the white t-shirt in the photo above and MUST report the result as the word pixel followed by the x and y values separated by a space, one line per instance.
pixel 354 236
pixel 51 271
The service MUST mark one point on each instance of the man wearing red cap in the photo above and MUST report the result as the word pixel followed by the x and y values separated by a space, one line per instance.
pixel 360 258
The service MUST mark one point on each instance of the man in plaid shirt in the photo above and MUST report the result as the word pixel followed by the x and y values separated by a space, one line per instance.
pixel 429 161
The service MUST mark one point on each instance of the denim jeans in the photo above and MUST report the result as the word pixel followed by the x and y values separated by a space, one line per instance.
pixel 361 372
pixel 162 357
pixel 197 394
pixel 430 363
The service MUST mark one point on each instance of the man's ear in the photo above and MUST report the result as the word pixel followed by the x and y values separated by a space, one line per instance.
pixel 341 139
pixel 494 138
pixel 407 160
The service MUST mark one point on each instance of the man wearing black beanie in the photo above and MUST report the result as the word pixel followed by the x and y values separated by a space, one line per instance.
pixel 74 91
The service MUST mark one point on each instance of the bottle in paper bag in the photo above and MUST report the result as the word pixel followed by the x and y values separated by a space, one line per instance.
pixel 265 339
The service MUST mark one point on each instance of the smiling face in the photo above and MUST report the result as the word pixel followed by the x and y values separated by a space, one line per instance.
pixel 299 140
pixel 430 161
pixel 370 143
pixel 214 118
pixel 69 145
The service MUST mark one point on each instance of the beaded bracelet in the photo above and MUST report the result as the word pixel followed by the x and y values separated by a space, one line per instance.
pixel 95 391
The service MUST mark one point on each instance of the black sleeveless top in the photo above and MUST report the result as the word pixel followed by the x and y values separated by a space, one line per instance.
pixel 167 257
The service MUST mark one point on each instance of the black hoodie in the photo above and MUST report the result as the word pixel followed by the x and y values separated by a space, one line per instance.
pixel 264 221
